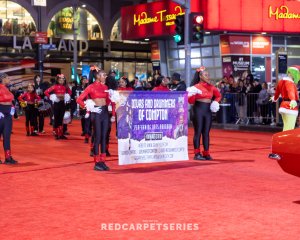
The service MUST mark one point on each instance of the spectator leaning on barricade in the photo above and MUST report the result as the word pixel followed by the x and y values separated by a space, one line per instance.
pixel 272 105
pixel 240 102
pixel 263 103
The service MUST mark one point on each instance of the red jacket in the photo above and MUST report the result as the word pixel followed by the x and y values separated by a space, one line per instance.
pixel 288 91
pixel 161 88
pixel 5 94
pixel 209 91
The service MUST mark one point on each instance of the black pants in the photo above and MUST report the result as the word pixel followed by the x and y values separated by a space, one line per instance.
pixel 202 123
pixel 5 125
pixel 264 113
pixel 100 128
pixel 41 122
pixel 109 128
pixel 31 116
pixel 87 126
pixel 59 112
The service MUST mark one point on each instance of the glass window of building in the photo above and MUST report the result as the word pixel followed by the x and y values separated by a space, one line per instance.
pixel 87 25
pixel 15 20
pixel 116 31
pixel 129 70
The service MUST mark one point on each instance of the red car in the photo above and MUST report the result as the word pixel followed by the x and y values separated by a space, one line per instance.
pixel 286 150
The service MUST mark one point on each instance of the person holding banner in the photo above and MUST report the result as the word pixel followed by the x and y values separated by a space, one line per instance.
pixel 97 103
pixel 60 95
pixel 161 84
pixel 6 112
pixel 205 99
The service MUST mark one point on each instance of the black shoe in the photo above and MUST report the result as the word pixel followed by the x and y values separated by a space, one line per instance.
pixel 0 162
pixel 198 156
pixel 33 134
pixel 107 153
pixel 56 137
pixel 86 140
pixel 10 160
pixel 92 153
pixel 82 134
pixel 106 168
pixel 27 134
pixel 99 167
pixel 208 157
pixel 66 133
pixel 63 137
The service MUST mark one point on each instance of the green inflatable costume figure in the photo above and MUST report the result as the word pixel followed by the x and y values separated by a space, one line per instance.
pixel 288 90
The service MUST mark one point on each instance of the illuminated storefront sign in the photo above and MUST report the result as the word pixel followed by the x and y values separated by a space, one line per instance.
pixel 62 45
pixel 261 45
pixel 272 16
pixel 239 44
pixel 282 12
pixel 150 20
pixel 42 3
pixel 235 44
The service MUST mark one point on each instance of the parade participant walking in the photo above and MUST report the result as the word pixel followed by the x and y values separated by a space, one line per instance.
pixel 98 96
pixel 29 101
pixel 40 88
pixel 60 95
pixel 6 112
pixel 205 99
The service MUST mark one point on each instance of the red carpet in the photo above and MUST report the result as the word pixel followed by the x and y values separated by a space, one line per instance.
pixel 54 193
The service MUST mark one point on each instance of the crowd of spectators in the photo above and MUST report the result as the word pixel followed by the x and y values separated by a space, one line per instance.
pixel 249 99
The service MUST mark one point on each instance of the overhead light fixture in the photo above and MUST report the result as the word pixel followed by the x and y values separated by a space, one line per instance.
pixel 147 39
pixel 83 5
pixel 207 32
pixel 263 33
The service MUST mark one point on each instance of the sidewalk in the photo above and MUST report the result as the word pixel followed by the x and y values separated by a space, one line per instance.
pixel 249 127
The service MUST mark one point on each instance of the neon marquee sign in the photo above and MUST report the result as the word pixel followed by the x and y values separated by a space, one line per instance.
pixel 161 16
pixel 284 14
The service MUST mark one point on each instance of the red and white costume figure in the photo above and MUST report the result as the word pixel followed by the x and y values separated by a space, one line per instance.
pixel 30 101
pixel 60 95
pixel 98 101
pixel 205 99
pixel 287 89
pixel 6 112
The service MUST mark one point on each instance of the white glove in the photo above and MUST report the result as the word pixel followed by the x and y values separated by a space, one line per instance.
pixel 12 111
pixel 193 91
pixel 273 99
pixel 97 110
pixel 87 115
pixel 114 96
pixel 89 105
pixel 1 115
pixel 67 97
pixel 113 119
pixel 214 106
pixel 54 98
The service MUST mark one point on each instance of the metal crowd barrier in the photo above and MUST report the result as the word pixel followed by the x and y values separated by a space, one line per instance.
pixel 240 108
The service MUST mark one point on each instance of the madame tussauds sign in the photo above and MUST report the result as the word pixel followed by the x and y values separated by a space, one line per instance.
pixel 283 12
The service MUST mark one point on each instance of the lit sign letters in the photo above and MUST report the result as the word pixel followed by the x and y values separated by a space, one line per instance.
pixel 161 16
pixel 284 14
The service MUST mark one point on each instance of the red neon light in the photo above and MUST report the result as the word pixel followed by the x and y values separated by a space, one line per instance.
pixel 271 16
